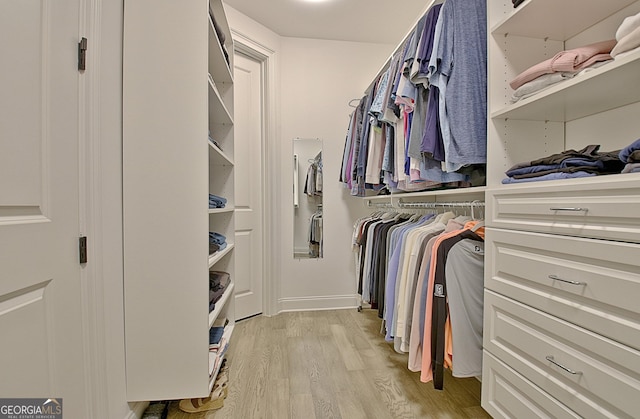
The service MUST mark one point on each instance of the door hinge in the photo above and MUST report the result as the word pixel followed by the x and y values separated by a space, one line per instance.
pixel 82 249
pixel 82 54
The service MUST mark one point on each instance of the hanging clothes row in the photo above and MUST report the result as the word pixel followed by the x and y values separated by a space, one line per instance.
pixel 425 276
pixel 313 182
pixel 422 124
pixel 315 233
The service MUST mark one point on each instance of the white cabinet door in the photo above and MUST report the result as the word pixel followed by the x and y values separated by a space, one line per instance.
pixel 40 290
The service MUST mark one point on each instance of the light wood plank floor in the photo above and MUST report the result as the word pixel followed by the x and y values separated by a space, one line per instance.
pixel 330 364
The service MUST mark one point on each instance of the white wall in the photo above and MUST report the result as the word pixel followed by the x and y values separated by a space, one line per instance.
pixel 316 80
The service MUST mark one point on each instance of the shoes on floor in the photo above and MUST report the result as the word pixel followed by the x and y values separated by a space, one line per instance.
pixel 216 398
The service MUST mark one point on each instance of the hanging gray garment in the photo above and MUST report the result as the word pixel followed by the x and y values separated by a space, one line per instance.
pixel 464 272
pixel 418 122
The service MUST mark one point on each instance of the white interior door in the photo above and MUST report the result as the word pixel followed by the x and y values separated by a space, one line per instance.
pixel 40 296
pixel 248 123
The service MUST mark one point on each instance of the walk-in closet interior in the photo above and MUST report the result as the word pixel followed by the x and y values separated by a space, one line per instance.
pixel 416 209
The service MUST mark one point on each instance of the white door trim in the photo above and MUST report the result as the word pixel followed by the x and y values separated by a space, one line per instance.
pixel 90 185
pixel 270 163
pixel 100 209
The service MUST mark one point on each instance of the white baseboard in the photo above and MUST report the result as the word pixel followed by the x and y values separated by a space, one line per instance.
pixel 332 302
pixel 137 409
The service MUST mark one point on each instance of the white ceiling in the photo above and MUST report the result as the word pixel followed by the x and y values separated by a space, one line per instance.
pixel 376 21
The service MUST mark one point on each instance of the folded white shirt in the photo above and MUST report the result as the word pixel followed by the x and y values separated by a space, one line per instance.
pixel 628 42
pixel 627 26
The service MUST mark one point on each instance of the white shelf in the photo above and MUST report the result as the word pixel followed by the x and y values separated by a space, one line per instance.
pixel 589 182
pixel 468 192
pixel 215 258
pixel 224 210
pixel 217 63
pixel 218 112
pixel 213 316
pixel 556 19
pixel 217 157
pixel 611 86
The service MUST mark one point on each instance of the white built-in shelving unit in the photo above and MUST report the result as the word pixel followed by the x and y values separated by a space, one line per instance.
pixel 561 268
pixel 178 92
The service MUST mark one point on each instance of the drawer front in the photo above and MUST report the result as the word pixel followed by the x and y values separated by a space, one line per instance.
pixel 507 394
pixel 593 283
pixel 592 375
pixel 594 208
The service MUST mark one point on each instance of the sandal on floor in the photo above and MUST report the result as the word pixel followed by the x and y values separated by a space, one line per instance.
pixel 213 402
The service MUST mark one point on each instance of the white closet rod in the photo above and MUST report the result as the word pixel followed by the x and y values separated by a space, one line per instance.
pixel 456 204
pixel 380 204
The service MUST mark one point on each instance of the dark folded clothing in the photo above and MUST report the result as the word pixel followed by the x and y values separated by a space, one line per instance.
pixel 558 158
pixel 517 3
pixel 218 283
pixel 572 169
pixel 570 161
pixel 531 169
pixel 550 176
pixel 215 334
pixel 213 248
pixel 212 306
pixel 217 277
pixel 634 157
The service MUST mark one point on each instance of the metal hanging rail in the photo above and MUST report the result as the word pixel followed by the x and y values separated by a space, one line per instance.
pixel 454 204
pixel 380 205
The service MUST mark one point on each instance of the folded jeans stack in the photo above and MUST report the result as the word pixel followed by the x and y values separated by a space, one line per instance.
pixel 568 164
pixel 216 242
pixel 216 201
pixel 630 155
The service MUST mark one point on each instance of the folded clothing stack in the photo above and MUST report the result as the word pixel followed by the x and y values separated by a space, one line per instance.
pixel 562 66
pixel 218 283
pixel 517 3
pixel 628 36
pixel 568 164
pixel 216 242
pixel 216 201
pixel 630 155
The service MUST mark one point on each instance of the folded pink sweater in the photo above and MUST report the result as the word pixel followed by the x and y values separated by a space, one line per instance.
pixel 571 61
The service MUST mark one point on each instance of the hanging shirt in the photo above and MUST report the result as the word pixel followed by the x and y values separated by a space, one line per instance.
pixel 465 285
pixel 462 54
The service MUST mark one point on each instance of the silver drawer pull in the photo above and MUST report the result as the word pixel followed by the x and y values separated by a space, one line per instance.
pixel 569 370
pixel 574 209
pixel 555 278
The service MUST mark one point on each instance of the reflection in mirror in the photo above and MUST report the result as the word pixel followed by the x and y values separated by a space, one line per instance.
pixel 307 198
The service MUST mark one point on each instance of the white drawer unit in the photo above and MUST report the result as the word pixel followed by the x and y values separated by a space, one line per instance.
pixel 562 255
pixel 508 394
pixel 596 207
pixel 592 375
pixel 593 283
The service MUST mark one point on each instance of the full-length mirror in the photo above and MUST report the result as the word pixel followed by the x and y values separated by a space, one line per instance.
pixel 307 198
